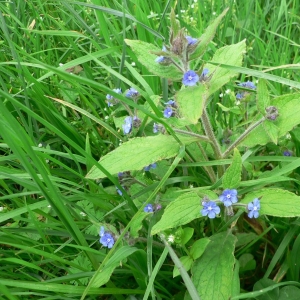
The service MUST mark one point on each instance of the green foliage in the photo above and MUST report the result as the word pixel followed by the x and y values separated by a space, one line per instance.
pixel 60 61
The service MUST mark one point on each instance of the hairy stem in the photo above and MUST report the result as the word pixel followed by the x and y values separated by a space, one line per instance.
pixel 201 137
pixel 242 137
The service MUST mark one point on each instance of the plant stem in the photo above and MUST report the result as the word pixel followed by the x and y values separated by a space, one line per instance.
pixel 201 137
pixel 242 137
pixel 210 134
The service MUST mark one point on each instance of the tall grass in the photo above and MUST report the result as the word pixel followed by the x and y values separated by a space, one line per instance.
pixel 75 51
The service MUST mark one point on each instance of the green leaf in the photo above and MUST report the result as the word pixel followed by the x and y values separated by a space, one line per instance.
pixel 137 224
pixel 186 262
pixel 264 283
pixel 187 235
pixel 230 55
pixel 262 96
pixel 175 26
pixel 276 202
pixel 213 271
pixel 144 54
pixel 179 212
pixel 236 284
pixel 271 130
pixel 191 102
pixel 289 110
pixel 289 293
pixel 199 247
pixel 232 176
pixel 207 36
pixel 138 153
pixel 247 262
pixel 104 276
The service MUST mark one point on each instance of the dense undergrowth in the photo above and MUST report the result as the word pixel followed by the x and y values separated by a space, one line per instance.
pixel 59 61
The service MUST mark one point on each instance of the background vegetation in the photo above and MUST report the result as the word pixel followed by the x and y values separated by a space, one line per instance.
pixel 50 212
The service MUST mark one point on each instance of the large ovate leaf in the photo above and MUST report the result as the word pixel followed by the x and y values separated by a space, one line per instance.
pixel 289 110
pixel 182 210
pixel 232 176
pixel 144 53
pixel 179 212
pixel 191 102
pixel 276 202
pixel 230 55
pixel 207 36
pixel 103 277
pixel 138 153
pixel 213 271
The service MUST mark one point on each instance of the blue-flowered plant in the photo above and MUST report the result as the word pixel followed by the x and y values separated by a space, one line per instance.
pixel 228 197
pixel 210 209
pixel 190 78
pixel 106 239
pixel 148 208
pixel 253 208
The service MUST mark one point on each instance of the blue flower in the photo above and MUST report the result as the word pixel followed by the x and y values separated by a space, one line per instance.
pixel 190 78
pixel 127 125
pixel 239 96
pixel 131 93
pixel 203 74
pixel 210 209
pixel 171 103
pixel 191 40
pixel 229 197
pixel 152 166
pixel 168 112
pixel 110 97
pixel 119 191
pixel 248 85
pixel 148 208
pixel 155 128
pixel 253 208
pixel 106 239
pixel 160 59
pixel 287 153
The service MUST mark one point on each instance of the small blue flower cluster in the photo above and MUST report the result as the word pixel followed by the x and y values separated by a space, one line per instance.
pixel 106 239
pixel 151 166
pixel 228 198
pixel 249 85
pixel 150 209
pixel 130 122
pixel 130 93
pixel 169 110
pixel 190 78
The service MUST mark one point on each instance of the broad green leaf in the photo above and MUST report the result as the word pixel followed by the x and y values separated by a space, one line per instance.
pixel 199 247
pixel 276 202
pixel 144 54
pixel 264 283
pixel 138 153
pixel 289 110
pixel 262 96
pixel 191 101
pixel 230 55
pixel 236 285
pixel 186 262
pixel 179 212
pixel 289 293
pixel 271 130
pixel 104 276
pixel 213 271
pixel 232 176
pixel 137 224
pixel 247 262
pixel 187 234
pixel 207 36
